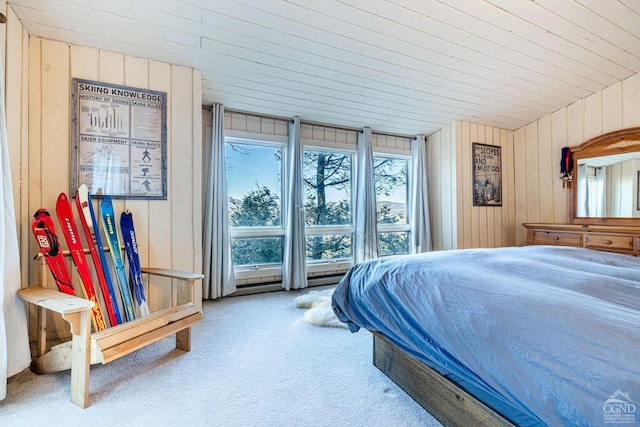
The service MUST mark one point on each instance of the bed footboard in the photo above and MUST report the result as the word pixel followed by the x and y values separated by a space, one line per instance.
pixel 448 403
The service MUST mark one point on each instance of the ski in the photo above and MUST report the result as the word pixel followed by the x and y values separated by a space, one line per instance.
pixel 89 225
pixel 108 223
pixel 45 234
pixel 131 249
pixel 70 231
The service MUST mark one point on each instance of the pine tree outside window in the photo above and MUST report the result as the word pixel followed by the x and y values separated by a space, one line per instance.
pixel 328 181
pixel 391 177
pixel 255 186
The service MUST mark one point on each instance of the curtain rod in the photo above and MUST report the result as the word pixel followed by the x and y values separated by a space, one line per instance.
pixel 400 135
pixel 308 122
pixel 247 113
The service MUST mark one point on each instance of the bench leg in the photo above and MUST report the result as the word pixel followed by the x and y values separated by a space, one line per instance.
pixel 41 334
pixel 80 360
pixel 183 339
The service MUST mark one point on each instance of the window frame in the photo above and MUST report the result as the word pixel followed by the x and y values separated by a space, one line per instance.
pixel 244 232
pixel 397 228
pixel 326 266
pixel 314 267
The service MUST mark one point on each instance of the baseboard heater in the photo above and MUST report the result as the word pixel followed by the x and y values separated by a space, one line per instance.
pixel 329 279
pixel 254 288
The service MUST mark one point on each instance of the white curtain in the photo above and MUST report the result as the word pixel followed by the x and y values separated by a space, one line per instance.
pixel 600 198
pixel 419 200
pixel 14 340
pixel 294 274
pixel 591 191
pixel 366 246
pixel 219 278
pixel 582 206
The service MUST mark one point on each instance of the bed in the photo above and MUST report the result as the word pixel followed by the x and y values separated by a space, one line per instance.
pixel 536 335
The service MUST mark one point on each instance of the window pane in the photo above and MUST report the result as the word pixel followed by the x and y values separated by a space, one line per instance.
pixel 393 243
pixel 255 185
pixel 390 175
pixel 329 247
pixel 256 251
pixel 327 188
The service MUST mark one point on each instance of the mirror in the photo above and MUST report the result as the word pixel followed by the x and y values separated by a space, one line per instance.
pixel 606 174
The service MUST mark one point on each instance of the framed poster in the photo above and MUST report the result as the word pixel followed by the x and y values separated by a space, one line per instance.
pixel 119 137
pixel 487 175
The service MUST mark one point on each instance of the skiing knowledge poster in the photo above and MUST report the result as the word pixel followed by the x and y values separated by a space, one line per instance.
pixel 119 140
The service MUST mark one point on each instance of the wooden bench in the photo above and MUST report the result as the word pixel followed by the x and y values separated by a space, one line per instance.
pixel 86 348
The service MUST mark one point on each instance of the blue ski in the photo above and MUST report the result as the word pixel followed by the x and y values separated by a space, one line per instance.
pixel 108 223
pixel 131 249
pixel 92 233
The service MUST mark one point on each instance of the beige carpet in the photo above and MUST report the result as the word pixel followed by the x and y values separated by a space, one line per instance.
pixel 254 362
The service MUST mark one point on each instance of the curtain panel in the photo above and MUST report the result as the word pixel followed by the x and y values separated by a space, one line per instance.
pixel 219 278
pixel 14 339
pixel 419 200
pixel 294 268
pixel 366 238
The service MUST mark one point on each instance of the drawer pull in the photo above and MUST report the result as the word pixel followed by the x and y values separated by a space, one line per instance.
pixel 556 238
pixel 608 242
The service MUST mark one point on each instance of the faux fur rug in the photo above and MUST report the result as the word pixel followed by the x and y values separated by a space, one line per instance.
pixel 319 311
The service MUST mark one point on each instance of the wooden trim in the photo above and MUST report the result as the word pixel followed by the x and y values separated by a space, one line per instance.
pixel 610 143
pixel 442 398
pixel 592 228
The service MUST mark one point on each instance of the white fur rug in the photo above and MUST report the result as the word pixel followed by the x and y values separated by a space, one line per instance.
pixel 319 311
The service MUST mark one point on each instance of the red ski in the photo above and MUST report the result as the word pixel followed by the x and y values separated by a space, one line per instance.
pixel 70 231
pixel 45 234
pixel 83 202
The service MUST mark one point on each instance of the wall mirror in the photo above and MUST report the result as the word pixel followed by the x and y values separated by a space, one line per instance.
pixel 606 178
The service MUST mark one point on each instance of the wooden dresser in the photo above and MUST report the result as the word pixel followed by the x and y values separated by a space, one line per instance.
pixel 610 238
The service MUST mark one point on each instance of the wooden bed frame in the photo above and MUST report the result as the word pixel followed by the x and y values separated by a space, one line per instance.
pixel 443 399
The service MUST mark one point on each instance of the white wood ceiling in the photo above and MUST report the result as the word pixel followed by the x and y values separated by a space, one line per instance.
pixel 399 66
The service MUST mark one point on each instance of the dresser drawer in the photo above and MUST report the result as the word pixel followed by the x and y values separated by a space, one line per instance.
pixel 612 242
pixel 610 238
pixel 541 237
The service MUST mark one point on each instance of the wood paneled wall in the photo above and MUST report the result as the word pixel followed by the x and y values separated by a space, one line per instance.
pixel 455 222
pixel 169 231
pixel 441 178
pixel 538 189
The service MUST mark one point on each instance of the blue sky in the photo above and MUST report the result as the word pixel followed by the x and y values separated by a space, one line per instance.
pixel 244 171
pixel 257 165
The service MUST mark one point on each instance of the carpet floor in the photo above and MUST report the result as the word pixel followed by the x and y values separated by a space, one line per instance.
pixel 254 362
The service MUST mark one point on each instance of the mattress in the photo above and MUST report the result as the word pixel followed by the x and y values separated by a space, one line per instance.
pixel 545 335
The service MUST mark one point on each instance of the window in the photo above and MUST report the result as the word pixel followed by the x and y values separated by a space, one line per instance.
pixel 392 195
pixel 257 175
pixel 328 182
pixel 255 187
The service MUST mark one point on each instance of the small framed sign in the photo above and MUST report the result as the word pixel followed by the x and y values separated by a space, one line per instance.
pixel 487 175
pixel 119 137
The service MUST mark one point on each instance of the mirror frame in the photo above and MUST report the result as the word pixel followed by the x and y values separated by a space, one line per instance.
pixel 616 142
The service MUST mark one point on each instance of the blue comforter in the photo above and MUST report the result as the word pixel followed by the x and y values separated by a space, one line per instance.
pixel 544 335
